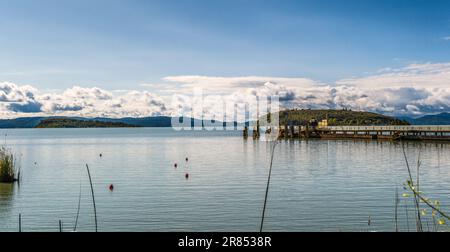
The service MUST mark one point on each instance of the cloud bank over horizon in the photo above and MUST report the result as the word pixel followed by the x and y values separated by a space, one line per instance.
pixel 414 90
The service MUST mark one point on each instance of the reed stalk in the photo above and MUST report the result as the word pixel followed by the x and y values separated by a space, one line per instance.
pixel 78 210
pixel 428 203
pixel 93 198
pixel 407 215
pixel 418 197
pixel 268 184
pixel 416 201
pixel 396 209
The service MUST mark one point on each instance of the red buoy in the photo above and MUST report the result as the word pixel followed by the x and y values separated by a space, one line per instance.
pixel 111 187
pixel 187 175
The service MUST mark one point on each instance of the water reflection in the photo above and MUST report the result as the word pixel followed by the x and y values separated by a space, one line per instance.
pixel 6 197
pixel 316 185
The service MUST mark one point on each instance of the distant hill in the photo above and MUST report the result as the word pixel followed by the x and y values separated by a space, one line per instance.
pixel 32 122
pixel 439 119
pixel 302 117
pixel 74 123
pixel 25 122
pixel 158 121
pixel 338 117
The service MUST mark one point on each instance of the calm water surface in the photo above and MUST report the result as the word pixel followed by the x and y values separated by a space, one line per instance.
pixel 316 185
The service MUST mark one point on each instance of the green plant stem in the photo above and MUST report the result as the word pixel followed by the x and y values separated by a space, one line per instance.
pixel 268 184
pixel 416 201
pixel 428 203
pixel 396 209
pixel 78 210
pixel 93 198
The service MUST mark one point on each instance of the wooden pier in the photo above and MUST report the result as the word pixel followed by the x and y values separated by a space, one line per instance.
pixel 434 133
pixel 418 133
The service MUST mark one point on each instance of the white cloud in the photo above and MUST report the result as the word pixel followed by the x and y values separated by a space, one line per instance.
pixel 446 38
pixel 10 92
pixel 17 101
pixel 412 90
pixel 415 75
pixel 219 85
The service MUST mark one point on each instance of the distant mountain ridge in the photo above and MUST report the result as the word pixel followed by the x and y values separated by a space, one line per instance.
pixel 33 122
pixel 165 121
pixel 154 122
pixel 24 122
pixel 439 119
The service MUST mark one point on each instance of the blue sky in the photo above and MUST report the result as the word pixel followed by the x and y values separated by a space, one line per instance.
pixel 73 57
pixel 121 44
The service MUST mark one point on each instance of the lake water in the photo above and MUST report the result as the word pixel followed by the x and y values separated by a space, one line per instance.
pixel 316 185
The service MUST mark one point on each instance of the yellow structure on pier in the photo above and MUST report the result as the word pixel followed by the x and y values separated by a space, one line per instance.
pixel 323 124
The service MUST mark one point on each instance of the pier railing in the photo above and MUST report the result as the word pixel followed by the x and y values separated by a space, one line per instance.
pixel 394 132
pixel 422 128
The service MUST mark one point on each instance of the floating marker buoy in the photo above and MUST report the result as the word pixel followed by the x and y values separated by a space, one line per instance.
pixel 187 159
pixel 101 155
pixel 175 165
pixel 187 175
pixel 111 187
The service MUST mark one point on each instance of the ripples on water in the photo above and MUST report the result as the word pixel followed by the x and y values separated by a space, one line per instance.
pixel 316 185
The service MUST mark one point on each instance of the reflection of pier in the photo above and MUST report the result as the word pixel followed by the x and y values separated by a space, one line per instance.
pixel 435 133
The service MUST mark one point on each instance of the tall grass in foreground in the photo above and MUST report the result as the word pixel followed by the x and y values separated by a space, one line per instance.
pixel 422 203
pixel 9 171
